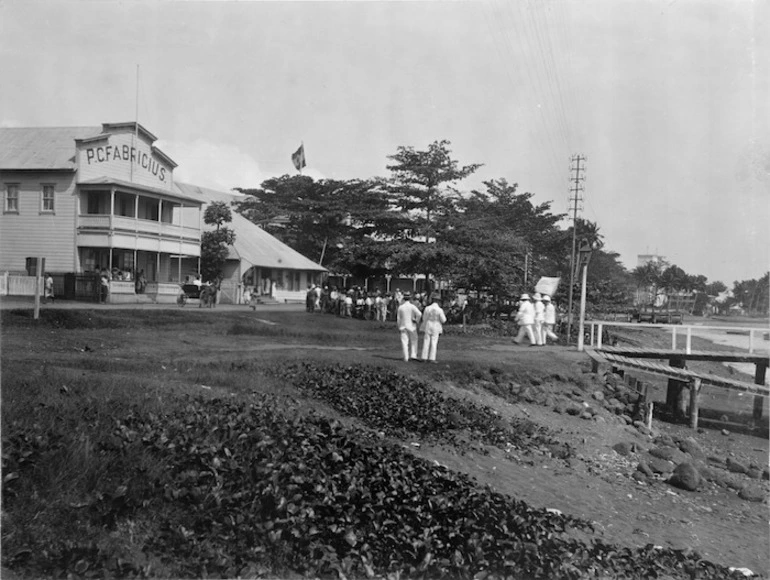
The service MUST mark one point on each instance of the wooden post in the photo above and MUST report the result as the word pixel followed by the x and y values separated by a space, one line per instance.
pixel 759 379
pixel 38 278
pixel 673 338
pixel 674 388
pixel 694 392
pixel 599 338
pixel 688 347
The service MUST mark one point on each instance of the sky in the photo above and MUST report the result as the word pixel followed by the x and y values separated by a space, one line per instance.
pixel 667 101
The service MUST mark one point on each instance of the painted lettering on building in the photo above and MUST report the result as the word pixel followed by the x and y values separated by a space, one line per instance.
pixel 141 159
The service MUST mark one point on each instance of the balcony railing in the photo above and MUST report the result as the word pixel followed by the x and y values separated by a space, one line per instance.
pixel 106 223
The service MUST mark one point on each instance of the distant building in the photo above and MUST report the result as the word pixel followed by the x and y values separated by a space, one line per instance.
pixel 644 259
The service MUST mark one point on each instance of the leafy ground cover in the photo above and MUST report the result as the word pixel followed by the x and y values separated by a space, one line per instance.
pixel 248 490
pixel 187 450
pixel 407 407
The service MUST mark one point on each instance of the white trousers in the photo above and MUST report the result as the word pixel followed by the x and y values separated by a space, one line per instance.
pixel 525 329
pixel 548 333
pixel 429 346
pixel 539 332
pixel 408 343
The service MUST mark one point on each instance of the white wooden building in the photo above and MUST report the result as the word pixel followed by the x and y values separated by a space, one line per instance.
pixel 88 199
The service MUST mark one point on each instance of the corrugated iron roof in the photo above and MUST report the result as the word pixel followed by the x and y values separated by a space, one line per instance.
pixel 41 148
pixel 253 245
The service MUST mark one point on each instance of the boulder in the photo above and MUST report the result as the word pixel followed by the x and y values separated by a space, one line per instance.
pixel 754 473
pixel 752 493
pixel 662 466
pixel 766 473
pixel 623 448
pixel 640 476
pixel 598 395
pixel 724 479
pixel 720 461
pixel 685 477
pixel 642 467
pixel 668 453
pixel 665 440
pixel 628 420
pixel 560 407
pixel 574 410
pixel 736 466
pixel 692 448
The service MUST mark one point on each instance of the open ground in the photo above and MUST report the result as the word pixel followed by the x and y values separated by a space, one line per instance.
pixel 78 382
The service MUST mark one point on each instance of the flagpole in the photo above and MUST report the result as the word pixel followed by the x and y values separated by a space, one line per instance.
pixel 135 136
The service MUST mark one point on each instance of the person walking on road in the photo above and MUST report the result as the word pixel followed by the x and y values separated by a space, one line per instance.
pixel 407 317
pixel 433 318
pixel 539 319
pixel 550 320
pixel 525 317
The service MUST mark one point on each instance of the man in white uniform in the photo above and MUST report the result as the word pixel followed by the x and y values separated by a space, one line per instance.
pixel 550 320
pixel 407 317
pixel 526 319
pixel 433 318
pixel 539 319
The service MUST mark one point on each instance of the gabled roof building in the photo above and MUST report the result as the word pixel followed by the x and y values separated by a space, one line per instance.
pixel 104 199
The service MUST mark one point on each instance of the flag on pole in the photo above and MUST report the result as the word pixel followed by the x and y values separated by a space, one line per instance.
pixel 298 158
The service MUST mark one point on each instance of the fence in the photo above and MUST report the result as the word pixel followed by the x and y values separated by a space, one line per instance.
pixel 597 329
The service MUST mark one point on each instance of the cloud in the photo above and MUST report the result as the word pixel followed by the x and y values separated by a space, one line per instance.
pixel 214 165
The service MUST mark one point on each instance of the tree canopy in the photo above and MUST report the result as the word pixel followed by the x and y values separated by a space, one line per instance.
pixel 417 220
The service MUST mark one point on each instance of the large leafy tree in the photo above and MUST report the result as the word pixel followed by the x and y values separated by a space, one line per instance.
pixel 533 228
pixel 420 189
pixel 215 244
pixel 608 283
pixel 495 233
pixel 753 294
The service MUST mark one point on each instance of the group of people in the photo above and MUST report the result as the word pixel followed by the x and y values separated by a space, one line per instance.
pixel 355 302
pixel 430 320
pixel 536 318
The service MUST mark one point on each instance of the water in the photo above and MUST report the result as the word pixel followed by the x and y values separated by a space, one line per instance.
pixel 734 341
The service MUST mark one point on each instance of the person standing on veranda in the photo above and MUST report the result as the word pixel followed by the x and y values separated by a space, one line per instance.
pixel 407 317
pixel 433 318
pixel 539 319
pixel 525 317
pixel 550 320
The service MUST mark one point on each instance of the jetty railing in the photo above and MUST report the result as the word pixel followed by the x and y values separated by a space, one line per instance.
pixel 597 331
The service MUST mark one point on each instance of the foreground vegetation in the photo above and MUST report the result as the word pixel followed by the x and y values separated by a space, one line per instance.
pixel 112 472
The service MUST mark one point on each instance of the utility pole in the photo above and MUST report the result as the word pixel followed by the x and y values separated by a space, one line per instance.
pixel 575 199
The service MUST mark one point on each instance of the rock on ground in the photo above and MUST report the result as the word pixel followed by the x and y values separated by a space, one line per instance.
pixel 685 477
